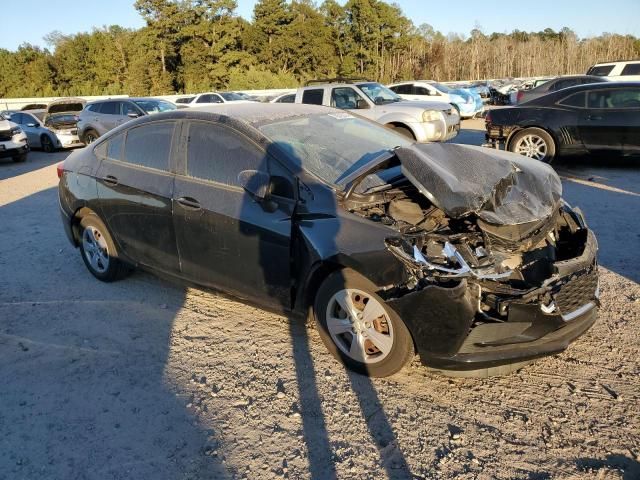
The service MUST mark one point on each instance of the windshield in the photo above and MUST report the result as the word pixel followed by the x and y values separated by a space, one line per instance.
pixel 440 87
pixel 379 94
pixel 231 96
pixel 155 106
pixel 333 145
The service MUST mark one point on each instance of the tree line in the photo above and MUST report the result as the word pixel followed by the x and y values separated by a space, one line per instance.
pixel 199 45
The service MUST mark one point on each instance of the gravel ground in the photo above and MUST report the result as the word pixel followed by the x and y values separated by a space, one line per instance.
pixel 146 379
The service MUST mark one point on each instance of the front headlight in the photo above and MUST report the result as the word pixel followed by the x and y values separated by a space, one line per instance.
pixel 16 131
pixel 431 116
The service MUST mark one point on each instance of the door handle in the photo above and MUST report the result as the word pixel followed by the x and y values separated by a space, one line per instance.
pixel 111 180
pixel 594 117
pixel 190 203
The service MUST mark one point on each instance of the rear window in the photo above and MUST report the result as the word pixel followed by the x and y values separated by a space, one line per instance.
pixel 600 70
pixel 313 97
pixel 149 145
pixel 631 69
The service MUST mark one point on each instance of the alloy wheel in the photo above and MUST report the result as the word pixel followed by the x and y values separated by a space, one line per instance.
pixel 359 326
pixel 532 146
pixel 95 249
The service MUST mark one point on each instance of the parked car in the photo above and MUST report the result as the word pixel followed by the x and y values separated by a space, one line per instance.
pixel 246 96
pixel 621 71
pixel 554 85
pixel 13 141
pixel 38 135
pixel 217 98
pixel 284 98
pixel 421 121
pixel 467 104
pixel 597 119
pixel 98 117
pixel 469 254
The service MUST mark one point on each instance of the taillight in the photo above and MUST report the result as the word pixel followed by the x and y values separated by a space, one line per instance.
pixel 519 96
pixel 60 169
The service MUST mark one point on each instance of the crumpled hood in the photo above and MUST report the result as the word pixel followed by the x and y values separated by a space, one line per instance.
pixel 66 105
pixel 500 188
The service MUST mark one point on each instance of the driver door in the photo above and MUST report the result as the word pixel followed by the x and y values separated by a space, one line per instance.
pixel 347 98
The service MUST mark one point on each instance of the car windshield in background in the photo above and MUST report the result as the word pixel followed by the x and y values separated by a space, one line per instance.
pixel 441 87
pixel 332 145
pixel 600 70
pixel 378 94
pixel 155 106
pixel 231 96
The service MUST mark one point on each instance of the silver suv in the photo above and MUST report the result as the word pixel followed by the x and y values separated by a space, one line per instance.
pixel 423 121
pixel 97 118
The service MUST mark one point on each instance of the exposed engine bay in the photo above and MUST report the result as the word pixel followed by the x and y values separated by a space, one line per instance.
pixel 524 262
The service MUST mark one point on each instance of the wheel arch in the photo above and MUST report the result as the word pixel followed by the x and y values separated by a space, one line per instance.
pixel 402 125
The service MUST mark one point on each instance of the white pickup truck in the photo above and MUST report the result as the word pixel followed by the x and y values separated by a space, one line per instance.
pixel 423 121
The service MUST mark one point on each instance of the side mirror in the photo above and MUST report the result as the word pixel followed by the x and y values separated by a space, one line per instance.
pixel 255 183
pixel 133 115
pixel 32 125
pixel 362 104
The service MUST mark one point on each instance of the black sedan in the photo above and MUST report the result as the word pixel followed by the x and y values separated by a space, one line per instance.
pixel 393 246
pixel 555 84
pixel 600 119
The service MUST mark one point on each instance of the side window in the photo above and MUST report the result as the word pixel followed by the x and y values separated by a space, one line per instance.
pixel 560 84
pixel 631 69
pixel 219 153
pixel 618 98
pixel 18 118
pixel 94 107
pixel 421 91
pixel 110 108
pixel 149 145
pixel 403 89
pixel 345 97
pixel 209 99
pixel 575 100
pixel 114 147
pixel 600 70
pixel 126 108
pixel 313 97
pixel 287 99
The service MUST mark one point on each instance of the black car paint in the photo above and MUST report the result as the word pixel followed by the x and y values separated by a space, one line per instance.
pixel 556 84
pixel 575 130
pixel 214 245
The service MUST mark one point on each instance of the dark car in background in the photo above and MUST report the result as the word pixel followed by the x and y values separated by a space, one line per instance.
pixel 98 117
pixel 601 119
pixel 555 84
pixel 391 243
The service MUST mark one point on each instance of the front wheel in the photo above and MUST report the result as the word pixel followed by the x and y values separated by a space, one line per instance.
pixel 90 136
pixel 534 143
pixel 47 144
pixel 98 250
pixel 358 327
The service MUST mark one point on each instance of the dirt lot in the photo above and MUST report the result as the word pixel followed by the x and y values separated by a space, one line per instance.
pixel 144 379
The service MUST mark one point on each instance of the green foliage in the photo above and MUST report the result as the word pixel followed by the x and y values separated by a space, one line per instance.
pixel 199 45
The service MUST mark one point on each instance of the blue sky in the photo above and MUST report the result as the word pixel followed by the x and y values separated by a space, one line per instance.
pixel 585 17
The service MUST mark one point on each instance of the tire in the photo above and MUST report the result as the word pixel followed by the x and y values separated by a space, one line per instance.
pixel 47 144
pixel 90 136
pixel 20 158
pixel 98 250
pixel 534 143
pixel 384 344
pixel 402 131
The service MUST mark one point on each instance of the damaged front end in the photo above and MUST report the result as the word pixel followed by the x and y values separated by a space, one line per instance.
pixel 499 269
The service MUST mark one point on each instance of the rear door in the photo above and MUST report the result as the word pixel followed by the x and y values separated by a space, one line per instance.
pixel 108 117
pixel 135 186
pixel 610 123
pixel 225 238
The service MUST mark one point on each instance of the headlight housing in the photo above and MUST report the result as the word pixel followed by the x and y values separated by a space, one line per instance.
pixel 431 116
pixel 16 131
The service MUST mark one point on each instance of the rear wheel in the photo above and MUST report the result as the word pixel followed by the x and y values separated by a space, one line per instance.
pixel 359 328
pixel 47 144
pixel 98 250
pixel 534 143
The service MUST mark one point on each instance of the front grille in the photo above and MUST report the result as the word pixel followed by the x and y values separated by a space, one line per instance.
pixel 5 135
pixel 576 292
